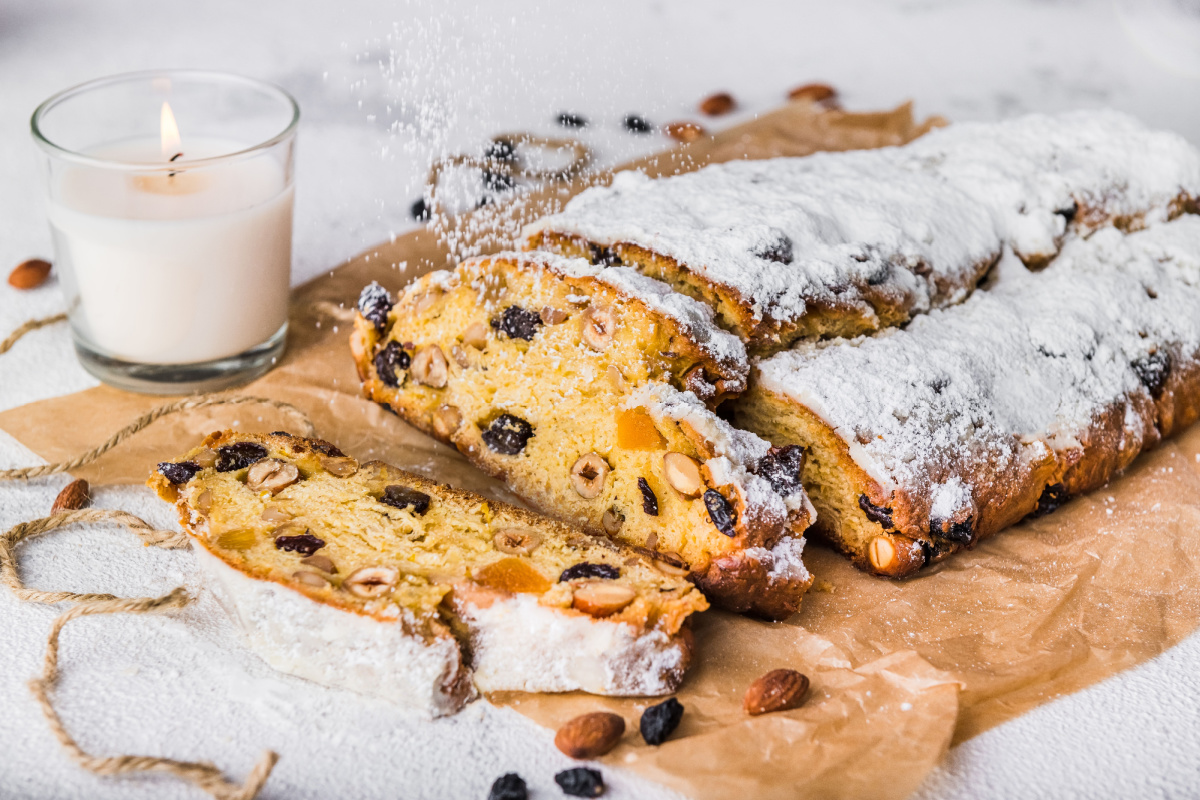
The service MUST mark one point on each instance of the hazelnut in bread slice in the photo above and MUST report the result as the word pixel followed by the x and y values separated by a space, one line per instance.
pixel 366 577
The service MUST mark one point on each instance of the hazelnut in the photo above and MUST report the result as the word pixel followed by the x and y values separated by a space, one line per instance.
pixel 427 299
pixel 616 379
pixel 588 475
pixel 204 501
pixel 598 327
pixel 651 541
pixel 475 335
pixel 323 563
pixel 273 514
pixel 369 582
pixel 602 598
pixel 339 466
pixel 429 366
pixel 684 131
pixel 516 541
pixel 205 458
pixel 272 475
pixel 553 316
pixel 446 421
pixel 460 356
pixel 612 521
pixel 309 578
pixel 683 474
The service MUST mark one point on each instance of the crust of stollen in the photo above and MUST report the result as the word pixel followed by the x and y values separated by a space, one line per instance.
pixel 747 584
pixel 514 643
pixel 872 308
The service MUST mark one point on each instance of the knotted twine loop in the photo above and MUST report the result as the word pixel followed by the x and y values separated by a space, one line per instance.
pixel 201 774
pixel 27 327
pixel 187 404
pixel 204 775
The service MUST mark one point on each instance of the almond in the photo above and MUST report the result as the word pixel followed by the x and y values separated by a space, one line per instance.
pixel 429 366
pixel 339 466
pixel 73 497
pixel 814 93
pixel 475 335
pixel 553 316
pixel 590 735
pixel 29 274
pixel 602 599
pixel 778 690
pixel 446 421
pixel 684 131
pixel 271 475
pixel 895 555
pixel 717 104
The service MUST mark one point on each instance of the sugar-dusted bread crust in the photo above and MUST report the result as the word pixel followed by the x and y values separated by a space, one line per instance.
pixel 289 556
pixel 843 244
pixel 924 440
pixel 512 345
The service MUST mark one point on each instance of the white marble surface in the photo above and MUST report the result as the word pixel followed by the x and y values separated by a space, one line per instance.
pixel 384 85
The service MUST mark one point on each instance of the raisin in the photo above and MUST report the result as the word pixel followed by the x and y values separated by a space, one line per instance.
pixel 374 303
pixel 1152 371
pixel 778 249
pixel 517 323
pixel 239 454
pixel 303 543
pixel 959 532
pixel 586 569
pixel 605 256
pixel 509 787
pixel 325 448
pixel 570 120
pixel 1069 212
pixel 282 433
pixel 403 497
pixel 1052 497
pixel 390 361
pixel 660 721
pixel 877 514
pixel 421 211
pixel 179 473
pixel 498 181
pixel 720 512
pixel 507 434
pixel 635 124
pixel 649 501
pixel 500 150
pixel 580 782
pixel 782 468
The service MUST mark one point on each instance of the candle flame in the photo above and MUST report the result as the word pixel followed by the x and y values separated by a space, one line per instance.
pixel 170 132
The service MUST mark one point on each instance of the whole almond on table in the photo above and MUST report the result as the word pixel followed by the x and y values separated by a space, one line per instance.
pixel 74 496
pixel 29 274
pixel 684 131
pixel 590 735
pixel 717 104
pixel 778 690
pixel 814 92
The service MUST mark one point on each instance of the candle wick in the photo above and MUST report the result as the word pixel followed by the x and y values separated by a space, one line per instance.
pixel 172 158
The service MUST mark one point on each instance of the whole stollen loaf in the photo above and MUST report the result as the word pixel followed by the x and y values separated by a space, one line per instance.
pixel 921 441
pixel 365 577
pixel 842 244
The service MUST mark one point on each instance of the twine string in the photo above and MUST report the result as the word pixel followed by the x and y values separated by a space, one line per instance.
pixel 28 327
pixel 186 404
pixel 204 775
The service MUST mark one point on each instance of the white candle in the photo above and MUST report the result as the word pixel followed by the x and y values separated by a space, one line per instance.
pixel 175 269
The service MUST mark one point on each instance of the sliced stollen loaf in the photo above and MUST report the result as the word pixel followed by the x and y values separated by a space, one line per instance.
pixel 588 390
pixel 923 440
pixel 366 577
pixel 842 244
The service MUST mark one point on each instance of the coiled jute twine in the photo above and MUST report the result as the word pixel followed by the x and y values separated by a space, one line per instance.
pixel 203 775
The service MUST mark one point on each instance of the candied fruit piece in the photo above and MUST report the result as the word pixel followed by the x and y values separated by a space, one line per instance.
pixel 636 431
pixel 512 575
pixel 236 539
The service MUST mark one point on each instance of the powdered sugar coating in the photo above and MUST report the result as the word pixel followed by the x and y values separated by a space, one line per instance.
pixel 850 220
pixel 913 223
pixel 1037 173
pixel 1022 369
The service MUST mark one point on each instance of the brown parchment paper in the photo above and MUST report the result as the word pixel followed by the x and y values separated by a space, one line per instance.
pixel 900 670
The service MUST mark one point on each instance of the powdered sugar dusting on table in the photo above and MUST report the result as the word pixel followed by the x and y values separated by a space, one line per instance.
pixel 1027 364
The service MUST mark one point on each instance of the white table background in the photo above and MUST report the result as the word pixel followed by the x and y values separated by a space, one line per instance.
pixel 383 86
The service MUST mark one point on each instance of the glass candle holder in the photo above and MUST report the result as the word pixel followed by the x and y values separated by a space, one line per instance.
pixel 170 201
